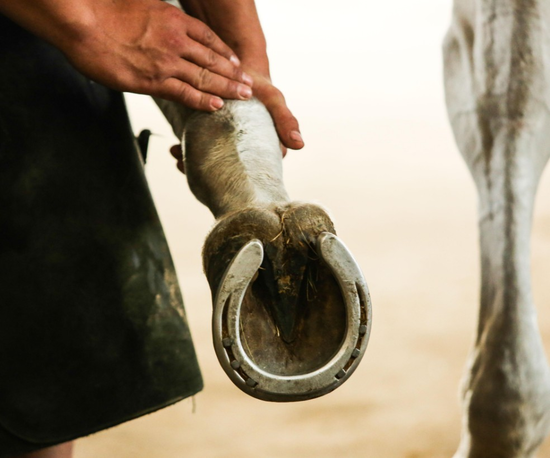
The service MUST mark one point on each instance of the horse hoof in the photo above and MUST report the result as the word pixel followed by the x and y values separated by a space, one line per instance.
pixel 268 355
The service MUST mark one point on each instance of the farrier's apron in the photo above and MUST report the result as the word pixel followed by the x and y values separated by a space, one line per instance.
pixel 92 325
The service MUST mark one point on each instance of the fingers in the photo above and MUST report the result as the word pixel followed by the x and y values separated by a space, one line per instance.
pixel 284 149
pixel 206 81
pixel 287 127
pixel 203 34
pixel 285 123
pixel 180 92
pixel 207 58
pixel 199 88
pixel 177 153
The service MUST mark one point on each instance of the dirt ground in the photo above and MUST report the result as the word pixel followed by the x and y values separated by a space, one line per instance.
pixel 384 162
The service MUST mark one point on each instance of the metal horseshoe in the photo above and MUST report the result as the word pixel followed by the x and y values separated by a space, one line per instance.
pixel 260 384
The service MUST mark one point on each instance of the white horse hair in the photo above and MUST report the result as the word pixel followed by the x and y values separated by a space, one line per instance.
pixel 497 78
pixel 232 158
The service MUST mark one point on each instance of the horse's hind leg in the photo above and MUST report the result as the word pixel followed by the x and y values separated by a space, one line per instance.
pixel 497 86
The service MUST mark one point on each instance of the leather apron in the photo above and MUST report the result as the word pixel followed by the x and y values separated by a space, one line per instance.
pixel 92 325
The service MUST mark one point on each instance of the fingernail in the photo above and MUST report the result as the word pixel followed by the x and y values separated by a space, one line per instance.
pixel 247 79
pixel 245 92
pixel 295 135
pixel 216 103
pixel 235 60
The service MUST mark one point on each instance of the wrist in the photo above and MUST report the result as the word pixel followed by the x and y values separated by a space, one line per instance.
pixel 251 48
pixel 252 52
pixel 74 32
pixel 236 22
pixel 254 62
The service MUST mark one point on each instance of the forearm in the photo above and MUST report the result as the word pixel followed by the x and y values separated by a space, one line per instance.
pixel 236 22
pixel 56 21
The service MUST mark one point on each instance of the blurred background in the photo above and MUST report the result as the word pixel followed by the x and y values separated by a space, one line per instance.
pixel 365 81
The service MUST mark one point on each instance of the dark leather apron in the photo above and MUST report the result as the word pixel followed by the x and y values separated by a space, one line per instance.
pixel 92 326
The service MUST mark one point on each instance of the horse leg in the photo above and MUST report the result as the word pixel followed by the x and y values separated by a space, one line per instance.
pixel 497 99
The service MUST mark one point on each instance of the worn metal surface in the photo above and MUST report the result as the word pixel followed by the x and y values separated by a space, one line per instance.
pixel 236 361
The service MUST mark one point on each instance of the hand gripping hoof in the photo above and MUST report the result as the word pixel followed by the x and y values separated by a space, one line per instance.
pixel 230 341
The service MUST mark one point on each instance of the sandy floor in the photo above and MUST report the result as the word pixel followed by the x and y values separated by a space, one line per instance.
pixel 384 162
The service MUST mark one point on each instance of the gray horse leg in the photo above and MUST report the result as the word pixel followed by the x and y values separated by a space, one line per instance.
pixel 497 92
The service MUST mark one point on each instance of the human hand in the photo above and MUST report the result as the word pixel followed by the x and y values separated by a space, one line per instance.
pixel 177 153
pixel 150 47
pixel 238 24
pixel 285 123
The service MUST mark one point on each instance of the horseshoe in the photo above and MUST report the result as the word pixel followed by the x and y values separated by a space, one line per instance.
pixel 255 381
